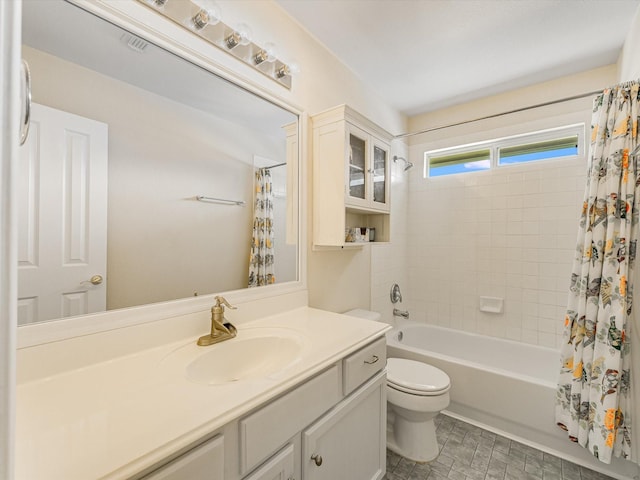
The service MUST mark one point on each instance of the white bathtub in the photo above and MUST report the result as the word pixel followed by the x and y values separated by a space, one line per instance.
pixel 504 386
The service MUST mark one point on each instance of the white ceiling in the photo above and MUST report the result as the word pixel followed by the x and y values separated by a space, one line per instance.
pixel 421 55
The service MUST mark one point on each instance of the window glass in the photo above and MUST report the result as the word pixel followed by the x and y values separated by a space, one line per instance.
pixel 459 162
pixel 529 152
pixel 557 143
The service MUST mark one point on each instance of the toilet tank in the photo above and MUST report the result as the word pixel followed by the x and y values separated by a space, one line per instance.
pixel 368 314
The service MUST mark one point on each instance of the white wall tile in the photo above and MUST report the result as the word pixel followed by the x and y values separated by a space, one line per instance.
pixel 506 233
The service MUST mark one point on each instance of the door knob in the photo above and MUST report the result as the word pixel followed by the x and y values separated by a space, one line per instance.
pixel 317 458
pixel 96 279
pixel 26 107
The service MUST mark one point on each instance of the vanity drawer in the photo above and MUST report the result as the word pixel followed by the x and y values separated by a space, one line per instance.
pixel 363 364
pixel 266 430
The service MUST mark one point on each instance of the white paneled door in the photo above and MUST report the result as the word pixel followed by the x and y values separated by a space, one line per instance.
pixel 62 217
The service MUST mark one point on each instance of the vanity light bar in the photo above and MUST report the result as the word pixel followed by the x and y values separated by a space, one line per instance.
pixel 235 41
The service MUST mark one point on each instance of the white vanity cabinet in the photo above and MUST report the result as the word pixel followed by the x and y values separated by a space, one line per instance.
pixel 280 467
pixel 351 176
pixel 204 462
pixel 331 426
pixel 348 440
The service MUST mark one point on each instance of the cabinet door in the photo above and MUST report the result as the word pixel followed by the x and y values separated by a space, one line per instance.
pixel 380 175
pixel 350 440
pixel 358 176
pixel 279 467
pixel 205 462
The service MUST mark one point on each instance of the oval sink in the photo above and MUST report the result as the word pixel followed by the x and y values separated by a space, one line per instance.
pixel 254 353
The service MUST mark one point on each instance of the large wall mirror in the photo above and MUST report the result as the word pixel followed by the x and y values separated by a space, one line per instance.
pixel 138 182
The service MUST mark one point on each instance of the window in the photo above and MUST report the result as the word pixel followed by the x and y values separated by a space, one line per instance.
pixel 542 150
pixel 460 162
pixel 564 142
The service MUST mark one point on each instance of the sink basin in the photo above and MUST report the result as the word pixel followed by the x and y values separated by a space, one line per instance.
pixel 254 353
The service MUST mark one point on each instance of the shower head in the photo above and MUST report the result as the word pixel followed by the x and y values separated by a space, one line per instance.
pixel 408 164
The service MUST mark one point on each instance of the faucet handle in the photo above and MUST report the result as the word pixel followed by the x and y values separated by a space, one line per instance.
pixel 223 301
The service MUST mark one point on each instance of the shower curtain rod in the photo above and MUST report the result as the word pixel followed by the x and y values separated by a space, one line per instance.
pixel 274 166
pixel 517 110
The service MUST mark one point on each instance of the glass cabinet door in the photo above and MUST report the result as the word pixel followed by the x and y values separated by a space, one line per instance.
pixel 380 159
pixel 357 166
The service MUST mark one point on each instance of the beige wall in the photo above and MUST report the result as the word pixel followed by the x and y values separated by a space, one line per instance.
pixel 629 60
pixel 337 280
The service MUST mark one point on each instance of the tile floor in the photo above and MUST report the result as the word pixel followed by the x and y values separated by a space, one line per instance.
pixel 471 453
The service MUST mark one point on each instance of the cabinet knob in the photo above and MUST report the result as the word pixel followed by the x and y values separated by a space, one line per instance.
pixel 317 458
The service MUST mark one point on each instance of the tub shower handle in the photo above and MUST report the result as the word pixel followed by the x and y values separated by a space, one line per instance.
pixel 395 294
pixel 372 361
pixel 317 459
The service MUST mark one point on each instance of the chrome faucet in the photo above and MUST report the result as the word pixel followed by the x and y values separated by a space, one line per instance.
pixel 401 313
pixel 221 330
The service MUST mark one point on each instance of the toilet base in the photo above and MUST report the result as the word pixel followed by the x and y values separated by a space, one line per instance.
pixel 416 441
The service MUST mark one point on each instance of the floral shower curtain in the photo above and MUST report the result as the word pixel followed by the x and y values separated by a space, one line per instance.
pixel 261 257
pixel 593 400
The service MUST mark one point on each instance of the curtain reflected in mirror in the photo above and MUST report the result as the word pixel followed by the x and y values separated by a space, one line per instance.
pixel 126 137
pixel 270 253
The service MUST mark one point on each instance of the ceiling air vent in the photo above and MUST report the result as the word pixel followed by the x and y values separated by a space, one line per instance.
pixel 134 43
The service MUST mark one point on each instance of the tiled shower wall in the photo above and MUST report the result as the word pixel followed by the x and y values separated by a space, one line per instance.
pixel 508 233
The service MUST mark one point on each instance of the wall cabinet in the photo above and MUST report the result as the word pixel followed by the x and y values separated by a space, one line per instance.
pixel 329 427
pixel 351 176
pixel 367 169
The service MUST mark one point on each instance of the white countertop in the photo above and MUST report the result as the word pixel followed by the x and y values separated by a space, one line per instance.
pixel 113 419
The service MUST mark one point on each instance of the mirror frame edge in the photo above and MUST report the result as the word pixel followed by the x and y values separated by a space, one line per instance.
pixel 46 332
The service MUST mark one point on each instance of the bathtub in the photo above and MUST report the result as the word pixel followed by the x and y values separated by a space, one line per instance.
pixel 503 386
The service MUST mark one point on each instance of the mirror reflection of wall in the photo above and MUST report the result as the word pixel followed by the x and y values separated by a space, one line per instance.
pixel 175 132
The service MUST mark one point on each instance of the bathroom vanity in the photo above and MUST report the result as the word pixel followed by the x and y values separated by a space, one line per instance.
pixel 298 394
pixel 126 393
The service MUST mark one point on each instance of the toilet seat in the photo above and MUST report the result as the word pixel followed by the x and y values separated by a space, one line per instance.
pixel 416 378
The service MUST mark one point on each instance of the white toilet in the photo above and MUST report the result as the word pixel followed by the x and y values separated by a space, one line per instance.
pixel 416 393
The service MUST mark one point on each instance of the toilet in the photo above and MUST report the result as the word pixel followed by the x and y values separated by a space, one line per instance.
pixel 416 393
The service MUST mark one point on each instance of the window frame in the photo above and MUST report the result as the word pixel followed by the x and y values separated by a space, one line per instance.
pixel 494 146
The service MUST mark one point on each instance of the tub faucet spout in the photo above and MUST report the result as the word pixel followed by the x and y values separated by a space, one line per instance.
pixel 401 313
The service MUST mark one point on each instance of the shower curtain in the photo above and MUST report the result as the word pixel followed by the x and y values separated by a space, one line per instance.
pixel 593 398
pixel 261 257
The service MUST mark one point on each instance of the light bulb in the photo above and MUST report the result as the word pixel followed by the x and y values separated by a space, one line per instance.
pixel 290 69
pixel 209 14
pixel 266 54
pixel 240 36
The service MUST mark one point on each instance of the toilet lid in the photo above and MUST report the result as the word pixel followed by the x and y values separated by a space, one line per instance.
pixel 412 376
